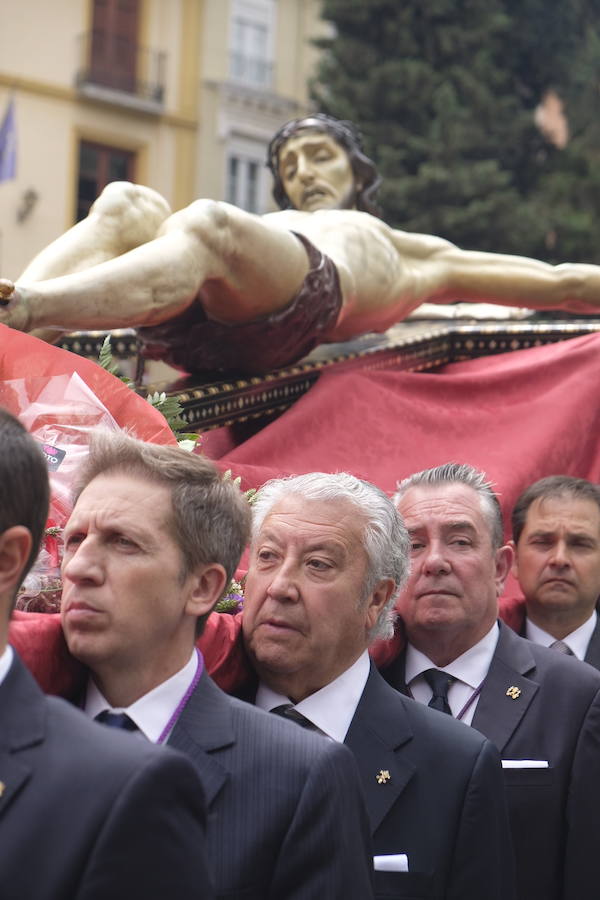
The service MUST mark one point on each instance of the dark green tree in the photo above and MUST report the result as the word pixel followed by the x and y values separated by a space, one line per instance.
pixel 445 92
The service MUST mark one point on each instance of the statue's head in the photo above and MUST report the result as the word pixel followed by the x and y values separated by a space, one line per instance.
pixel 346 136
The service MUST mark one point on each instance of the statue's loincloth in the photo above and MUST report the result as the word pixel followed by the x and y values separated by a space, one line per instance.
pixel 195 343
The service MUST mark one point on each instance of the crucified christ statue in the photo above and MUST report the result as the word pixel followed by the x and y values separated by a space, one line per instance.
pixel 214 287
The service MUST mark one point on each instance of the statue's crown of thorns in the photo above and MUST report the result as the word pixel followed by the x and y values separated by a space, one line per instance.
pixel 343 131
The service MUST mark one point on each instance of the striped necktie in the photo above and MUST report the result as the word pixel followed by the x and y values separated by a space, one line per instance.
pixel 561 647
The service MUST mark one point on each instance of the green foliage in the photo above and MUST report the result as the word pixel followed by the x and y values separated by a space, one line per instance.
pixel 445 91
pixel 170 407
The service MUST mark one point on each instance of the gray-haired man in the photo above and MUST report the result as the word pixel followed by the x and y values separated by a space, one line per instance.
pixel 541 709
pixel 328 555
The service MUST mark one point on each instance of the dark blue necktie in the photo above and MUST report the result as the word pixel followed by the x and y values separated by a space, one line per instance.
pixel 116 720
pixel 439 682
pixel 288 711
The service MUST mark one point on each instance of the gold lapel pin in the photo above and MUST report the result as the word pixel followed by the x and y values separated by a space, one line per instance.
pixel 513 692
pixel 2 786
pixel 383 776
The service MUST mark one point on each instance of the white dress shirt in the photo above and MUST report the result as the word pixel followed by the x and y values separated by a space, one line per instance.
pixel 577 641
pixel 331 708
pixel 5 662
pixel 469 670
pixel 152 712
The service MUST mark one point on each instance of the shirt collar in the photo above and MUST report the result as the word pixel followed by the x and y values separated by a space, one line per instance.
pixel 151 712
pixel 577 641
pixel 471 667
pixel 332 707
pixel 6 662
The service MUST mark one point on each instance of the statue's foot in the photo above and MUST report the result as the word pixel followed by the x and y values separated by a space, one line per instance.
pixel 6 289
pixel 14 306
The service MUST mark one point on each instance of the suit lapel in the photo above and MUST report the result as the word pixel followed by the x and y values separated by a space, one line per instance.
pixel 378 730
pixel 592 655
pixel 22 725
pixel 507 690
pixel 203 729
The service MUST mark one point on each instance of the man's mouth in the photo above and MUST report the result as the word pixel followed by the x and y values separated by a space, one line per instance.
pixel 78 611
pixel 279 625
pixel 564 581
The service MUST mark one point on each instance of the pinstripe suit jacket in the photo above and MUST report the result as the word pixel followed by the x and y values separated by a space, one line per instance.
pixel 286 814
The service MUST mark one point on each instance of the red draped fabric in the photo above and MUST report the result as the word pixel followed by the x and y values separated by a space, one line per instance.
pixel 518 416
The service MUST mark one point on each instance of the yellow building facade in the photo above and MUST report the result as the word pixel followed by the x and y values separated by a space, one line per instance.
pixel 182 95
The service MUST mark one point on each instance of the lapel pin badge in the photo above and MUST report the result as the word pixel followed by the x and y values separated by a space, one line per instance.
pixel 383 776
pixel 2 786
pixel 513 692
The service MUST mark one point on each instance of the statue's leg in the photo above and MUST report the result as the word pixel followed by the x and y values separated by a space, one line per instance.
pixel 124 216
pixel 243 267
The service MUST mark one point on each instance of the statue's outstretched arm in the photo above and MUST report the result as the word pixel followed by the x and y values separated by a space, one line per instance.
pixel 446 273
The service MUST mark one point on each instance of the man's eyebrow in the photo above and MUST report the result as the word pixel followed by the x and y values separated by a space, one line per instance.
pixel 460 525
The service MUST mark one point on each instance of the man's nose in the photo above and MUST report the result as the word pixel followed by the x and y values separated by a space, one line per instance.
pixel 435 561
pixel 559 556
pixel 82 563
pixel 284 584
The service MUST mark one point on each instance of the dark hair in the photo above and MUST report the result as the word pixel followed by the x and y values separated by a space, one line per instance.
pixel 552 486
pixel 461 473
pixel 210 517
pixel 24 487
pixel 347 136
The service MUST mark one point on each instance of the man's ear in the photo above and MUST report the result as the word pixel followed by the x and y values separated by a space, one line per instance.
pixel 208 583
pixel 515 562
pixel 15 547
pixel 504 559
pixel 377 600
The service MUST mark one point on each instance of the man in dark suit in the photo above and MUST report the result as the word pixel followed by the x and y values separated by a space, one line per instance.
pixel 556 539
pixel 155 536
pixel 540 708
pixel 84 813
pixel 328 555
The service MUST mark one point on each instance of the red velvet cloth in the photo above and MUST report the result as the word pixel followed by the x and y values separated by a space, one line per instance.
pixel 519 416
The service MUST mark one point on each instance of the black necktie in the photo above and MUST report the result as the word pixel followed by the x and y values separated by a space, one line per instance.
pixel 289 711
pixel 561 647
pixel 439 682
pixel 116 720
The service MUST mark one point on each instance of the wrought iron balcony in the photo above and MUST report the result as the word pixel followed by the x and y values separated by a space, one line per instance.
pixel 118 70
pixel 253 71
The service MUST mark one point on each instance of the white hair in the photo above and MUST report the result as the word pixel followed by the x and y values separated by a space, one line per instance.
pixel 386 540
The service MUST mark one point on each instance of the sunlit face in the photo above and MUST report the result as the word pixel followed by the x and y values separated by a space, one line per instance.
pixel 316 172
pixel 557 557
pixel 456 576
pixel 305 616
pixel 125 598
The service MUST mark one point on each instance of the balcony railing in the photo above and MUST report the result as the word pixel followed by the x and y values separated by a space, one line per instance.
pixel 117 64
pixel 253 71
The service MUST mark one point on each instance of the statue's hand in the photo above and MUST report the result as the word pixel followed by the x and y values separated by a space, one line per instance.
pixel 14 308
